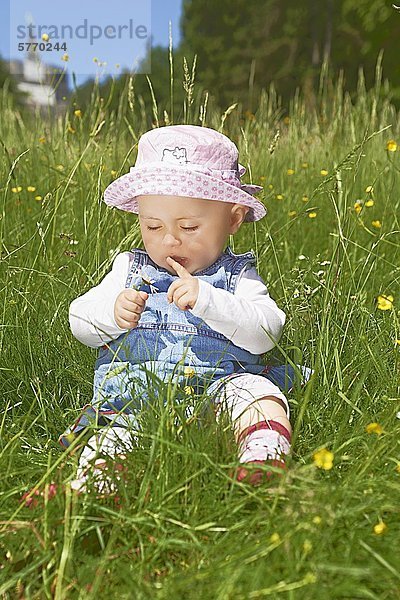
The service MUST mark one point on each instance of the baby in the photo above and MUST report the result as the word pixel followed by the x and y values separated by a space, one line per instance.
pixel 186 300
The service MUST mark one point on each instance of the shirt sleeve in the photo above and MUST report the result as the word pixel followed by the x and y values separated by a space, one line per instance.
pixel 250 318
pixel 91 316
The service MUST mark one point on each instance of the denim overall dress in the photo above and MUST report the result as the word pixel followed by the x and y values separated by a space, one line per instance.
pixel 170 344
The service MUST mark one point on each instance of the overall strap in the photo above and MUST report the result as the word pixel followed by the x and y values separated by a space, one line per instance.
pixel 139 261
pixel 236 263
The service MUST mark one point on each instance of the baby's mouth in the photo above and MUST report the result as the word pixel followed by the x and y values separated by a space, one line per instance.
pixel 180 259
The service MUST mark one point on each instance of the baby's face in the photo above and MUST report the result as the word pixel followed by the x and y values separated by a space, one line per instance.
pixel 192 231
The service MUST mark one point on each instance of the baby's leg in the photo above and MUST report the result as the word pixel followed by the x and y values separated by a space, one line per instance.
pixel 110 441
pixel 264 409
pixel 260 415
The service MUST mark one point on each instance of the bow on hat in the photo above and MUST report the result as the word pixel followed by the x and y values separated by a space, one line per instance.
pixel 247 187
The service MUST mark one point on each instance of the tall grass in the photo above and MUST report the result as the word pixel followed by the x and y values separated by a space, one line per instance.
pixel 185 529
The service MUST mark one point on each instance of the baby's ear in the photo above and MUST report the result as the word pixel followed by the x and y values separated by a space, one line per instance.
pixel 238 215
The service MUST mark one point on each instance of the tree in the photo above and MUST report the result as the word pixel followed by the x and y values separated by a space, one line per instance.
pixel 244 45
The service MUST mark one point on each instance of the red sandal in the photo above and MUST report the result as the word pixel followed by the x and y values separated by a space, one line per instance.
pixel 255 476
pixel 248 471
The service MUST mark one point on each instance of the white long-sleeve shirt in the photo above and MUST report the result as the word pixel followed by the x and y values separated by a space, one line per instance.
pixel 243 317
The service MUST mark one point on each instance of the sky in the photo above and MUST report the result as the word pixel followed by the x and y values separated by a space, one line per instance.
pixel 94 32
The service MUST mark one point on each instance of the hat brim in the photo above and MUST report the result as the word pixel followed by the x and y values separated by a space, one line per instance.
pixel 177 181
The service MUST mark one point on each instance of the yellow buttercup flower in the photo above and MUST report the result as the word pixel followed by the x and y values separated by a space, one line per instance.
pixel 114 173
pixel 380 528
pixel 384 302
pixel 38 197
pixel 312 215
pixel 305 198
pixel 323 459
pixel 189 371
pixel 60 167
pixel 271 187
pixel 42 140
pixel 304 165
pixel 317 520
pixel 374 428
pixel 45 37
pixel 71 129
pixel 358 206
pixel 279 197
pixel 376 224
pixel 275 538
pixel 31 188
pixel 188 390
pixel 292 213
pixel 290 171
pixel 391 146
pixel 369 189
pixel 65 57
pixel 16 190
pixel 369 203
pixel 78 113
pixel 324 172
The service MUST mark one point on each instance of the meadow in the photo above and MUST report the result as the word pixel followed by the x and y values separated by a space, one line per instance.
pixel 328 250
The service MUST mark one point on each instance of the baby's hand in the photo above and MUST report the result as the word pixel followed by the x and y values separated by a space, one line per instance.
pixel 184 291
pixel 128 307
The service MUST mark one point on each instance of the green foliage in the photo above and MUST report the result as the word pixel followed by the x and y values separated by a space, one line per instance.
pixel 243 46
pixel 184 528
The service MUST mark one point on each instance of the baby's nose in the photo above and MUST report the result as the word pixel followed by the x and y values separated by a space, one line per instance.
pixel 170 239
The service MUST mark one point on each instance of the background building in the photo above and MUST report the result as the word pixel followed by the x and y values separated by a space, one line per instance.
pixel 44 85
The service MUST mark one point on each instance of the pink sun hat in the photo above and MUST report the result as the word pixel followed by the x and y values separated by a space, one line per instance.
pixel 185 160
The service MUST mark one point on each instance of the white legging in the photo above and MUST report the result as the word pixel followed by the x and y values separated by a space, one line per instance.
pixel 239 392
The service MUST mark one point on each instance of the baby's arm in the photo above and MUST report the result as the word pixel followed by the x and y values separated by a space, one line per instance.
pixel 91 316
pixel 246 317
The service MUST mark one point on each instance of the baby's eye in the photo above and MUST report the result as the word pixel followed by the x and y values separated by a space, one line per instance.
pixel 184 228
